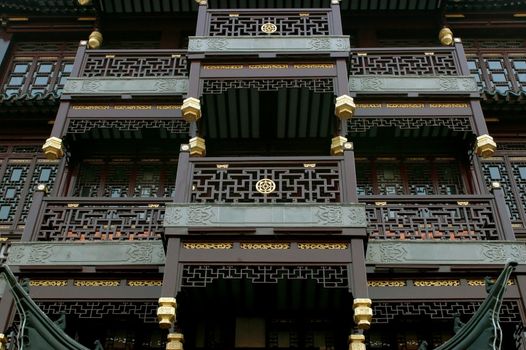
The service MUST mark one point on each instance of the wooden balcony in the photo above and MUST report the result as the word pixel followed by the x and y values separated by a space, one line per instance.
pixel 128 72
pixel 411 71
pixel 268 33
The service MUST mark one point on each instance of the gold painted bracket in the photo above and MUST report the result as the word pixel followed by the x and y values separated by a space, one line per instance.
pixel 53 148
pixel 166 312
pixel 485 146
pixel 191 109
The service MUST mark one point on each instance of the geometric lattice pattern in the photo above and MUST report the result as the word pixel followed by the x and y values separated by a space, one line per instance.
pixel 80 126
pixel 405 63
pixel 249 24
pixel 130 64
pixel 144 310
pixel 295 183
pixel 101 220
pixel 424 219
pixel 327 276
pixel 385 312
pixel 452 123
pixel 219 86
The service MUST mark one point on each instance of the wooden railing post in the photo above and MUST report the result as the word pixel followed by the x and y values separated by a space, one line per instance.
pixel 32 222
pixel 182 181
pixel 349 181
pixel 502 212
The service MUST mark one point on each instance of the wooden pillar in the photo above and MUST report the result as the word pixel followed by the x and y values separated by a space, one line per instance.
pixel 358 271
pixel 5 43
pixel 32 221
pixel 171 268
pixel 183 178
pixel 502 213
pixel 349 181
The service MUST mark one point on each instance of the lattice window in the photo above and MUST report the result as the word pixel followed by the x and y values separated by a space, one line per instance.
pixel 249 24
pixel 295 182
pixel 37 71
pixel 497 170
pixel 130 179
pixel 518 67
pixel 130 64
pixel 498 74
pixel 409 176
pixel 20 171
pixel 476 71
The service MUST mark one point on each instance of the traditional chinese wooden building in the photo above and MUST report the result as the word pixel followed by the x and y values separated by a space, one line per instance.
pixel 262 174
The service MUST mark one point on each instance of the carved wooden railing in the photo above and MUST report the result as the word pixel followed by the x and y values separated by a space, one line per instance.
pixel 73 218
pixel 249 22
pixel 433 61
pixel 297 180
pixel 466 217
pixel 133 63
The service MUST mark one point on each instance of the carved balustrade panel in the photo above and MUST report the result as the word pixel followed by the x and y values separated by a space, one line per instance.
pixel 294 181
pixel 125 63
pixel 21 170
pixel 464 218
pixel 218 86
pixel 407 62
pixel 251 23
pixel 101 219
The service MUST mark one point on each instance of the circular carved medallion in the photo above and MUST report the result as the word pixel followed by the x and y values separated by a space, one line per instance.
pixel 265 186
pixel 269 28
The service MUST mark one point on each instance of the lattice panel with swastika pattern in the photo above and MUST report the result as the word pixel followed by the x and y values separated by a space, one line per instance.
pixel 219 86
pixel 294 183
pixel 129 64
pixel 249 24
pixel 102 220
pixel 327 276
pixel 421 219
pixel 417 63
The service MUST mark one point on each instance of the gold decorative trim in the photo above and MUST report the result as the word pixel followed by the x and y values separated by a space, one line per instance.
pixel 323 246
pixel 97 283
pixel 268 66
pixel 309 165
pixel 480 282
pixel 463 203
pixel 3 239
pixel 313 66
pixel 368 105
pixel 269 246
pixel 448 105
pixel 48 283
pixel 72 205
pixel 265 186
pixel 386 283
pixel 145 283
pixel 222 245
pixel 223 66
pixel 380 204
pixel 436 283
pixel 405 105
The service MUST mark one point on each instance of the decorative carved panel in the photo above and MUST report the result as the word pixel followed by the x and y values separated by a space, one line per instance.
pixel 295 182
pixel 396 62
pixel 418 218
pixel 219 86
pixel 102 219
pixel 327 276
pixel 80 126
pixel 249 24
pixel 160 63
pixel 454 123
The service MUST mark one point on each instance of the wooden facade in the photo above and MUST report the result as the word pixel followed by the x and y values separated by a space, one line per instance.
pixel 205 153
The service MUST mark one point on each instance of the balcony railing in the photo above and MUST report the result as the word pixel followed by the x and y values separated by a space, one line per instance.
pixel 286 22
pixel 435 61
pixel 73 218
pixel 134 63
pixel 296 180
pixel 432 217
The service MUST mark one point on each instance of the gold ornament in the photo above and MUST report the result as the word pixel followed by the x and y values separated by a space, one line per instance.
pixel 95 40
pixel 84 2
pixel 344 107
pixel 445 36
pixel 3 341
pixel 175 341
pixel 197 147
pixel 265 186
pixel 53 148
pixel 357 342
pixel 191 109
pixel 269 28
pixel 485 146
pixel 166 312
pixel 338 145
pixel 363 313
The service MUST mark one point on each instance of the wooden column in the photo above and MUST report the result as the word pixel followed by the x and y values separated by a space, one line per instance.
pixel 5 43
pixel 502 212
pixel 32 221
pixel 349 181
pixel 358 272
pixel 183 178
